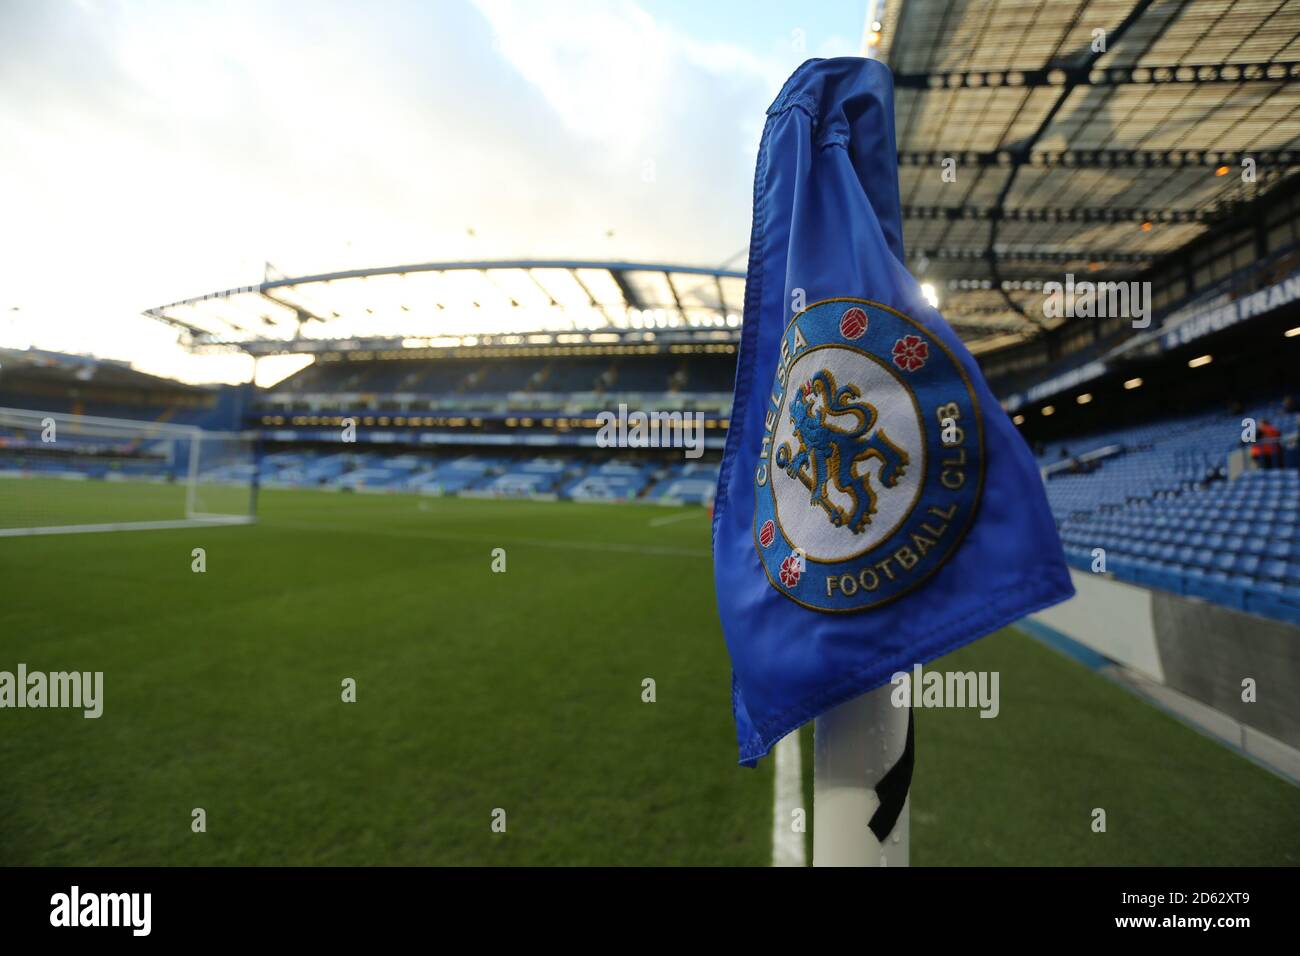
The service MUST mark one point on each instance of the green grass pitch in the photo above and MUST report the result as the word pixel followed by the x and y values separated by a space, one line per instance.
pixel 521 691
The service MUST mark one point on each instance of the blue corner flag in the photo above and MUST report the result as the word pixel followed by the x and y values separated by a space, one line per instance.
pixel 876 508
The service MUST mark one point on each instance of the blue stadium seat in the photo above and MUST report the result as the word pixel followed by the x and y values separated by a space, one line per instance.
pixel 1273 569
pixel 1233 542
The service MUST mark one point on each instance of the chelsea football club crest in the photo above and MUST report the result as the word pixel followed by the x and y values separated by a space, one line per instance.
pixel 872 460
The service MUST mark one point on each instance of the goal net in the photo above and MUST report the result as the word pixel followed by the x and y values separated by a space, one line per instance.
pixel 68 473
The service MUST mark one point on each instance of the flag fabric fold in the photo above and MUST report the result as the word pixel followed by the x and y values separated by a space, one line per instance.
pixel 875 507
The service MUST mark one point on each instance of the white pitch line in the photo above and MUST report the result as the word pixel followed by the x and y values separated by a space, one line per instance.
pixel 560 543
pixel 216 522
pixel 787 844
pixel 669 519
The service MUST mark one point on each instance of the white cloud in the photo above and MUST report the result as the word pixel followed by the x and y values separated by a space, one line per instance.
pixel 157 151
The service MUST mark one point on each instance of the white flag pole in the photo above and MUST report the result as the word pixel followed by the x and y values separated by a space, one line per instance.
pixel 857 743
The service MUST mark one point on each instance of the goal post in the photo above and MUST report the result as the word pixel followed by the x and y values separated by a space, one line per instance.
pixel 63 473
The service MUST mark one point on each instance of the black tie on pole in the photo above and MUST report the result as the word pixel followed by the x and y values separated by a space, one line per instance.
pixel 892 789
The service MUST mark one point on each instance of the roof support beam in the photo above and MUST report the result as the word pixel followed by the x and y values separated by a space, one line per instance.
pixel 629 294
pixel 1033 255
pixel 595 303
pixel 958 283
pixel 677 299
pixel 304 315
pixel 991 251
pixel 1062 214
pixel 1008 324
pixel 545 291
pixel 1103 158
pixel 1063 75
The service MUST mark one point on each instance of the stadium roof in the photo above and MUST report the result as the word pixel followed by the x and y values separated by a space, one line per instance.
pixel 21 368
pixel 1089 136
pixel 1074 157
pixel 524 302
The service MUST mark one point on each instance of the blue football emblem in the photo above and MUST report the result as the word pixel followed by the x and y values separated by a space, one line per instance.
pixel 872 460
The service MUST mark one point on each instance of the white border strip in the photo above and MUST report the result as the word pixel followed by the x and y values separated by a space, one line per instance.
pixel 670 519
pixel 126 526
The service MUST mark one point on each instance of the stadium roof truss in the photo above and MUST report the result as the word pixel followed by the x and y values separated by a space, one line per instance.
pixel 439 304
pixel 1077 150
pixel 1091 137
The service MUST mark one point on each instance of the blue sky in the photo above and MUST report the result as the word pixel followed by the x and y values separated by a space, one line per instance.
pixel 160 150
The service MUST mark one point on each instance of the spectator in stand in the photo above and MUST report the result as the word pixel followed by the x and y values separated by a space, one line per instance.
pixel 1267 451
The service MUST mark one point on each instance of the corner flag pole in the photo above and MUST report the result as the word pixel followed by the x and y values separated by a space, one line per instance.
pixel 862 771
pixel 862 767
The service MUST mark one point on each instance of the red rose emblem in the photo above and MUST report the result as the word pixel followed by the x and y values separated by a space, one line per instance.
pixel 910 353
pixel 790 571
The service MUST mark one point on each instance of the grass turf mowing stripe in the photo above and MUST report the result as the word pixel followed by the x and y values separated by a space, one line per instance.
pixel 475 691
pixel 522 691
pixel 1021 788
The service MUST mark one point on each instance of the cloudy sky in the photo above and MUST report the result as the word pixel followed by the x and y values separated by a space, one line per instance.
pixel 154 151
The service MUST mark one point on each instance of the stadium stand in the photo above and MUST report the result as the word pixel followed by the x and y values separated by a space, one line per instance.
pixel 1161 507
pixel 611 481
pixel 81 385
pixel 558 476
pixel 1155 476
pixel 689 483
